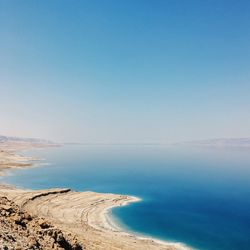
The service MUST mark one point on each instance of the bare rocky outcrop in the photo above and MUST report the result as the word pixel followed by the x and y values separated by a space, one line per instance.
pixel 20 231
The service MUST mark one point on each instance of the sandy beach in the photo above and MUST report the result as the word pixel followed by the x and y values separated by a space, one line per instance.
pixel 81 214
pixel 10 157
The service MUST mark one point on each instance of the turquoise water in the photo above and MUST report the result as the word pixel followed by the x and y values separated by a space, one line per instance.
pixel 196 196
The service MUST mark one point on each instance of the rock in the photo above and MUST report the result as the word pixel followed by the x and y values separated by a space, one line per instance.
pixel 27 216
pixel 6 208
pixel 21 231
pixel 3 213
pixel 43 224
pixel 33 243
pixel 19 220
pixel 60 238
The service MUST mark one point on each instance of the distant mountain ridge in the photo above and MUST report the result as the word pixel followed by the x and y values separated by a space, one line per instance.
pixel 221 142
pixel 218 142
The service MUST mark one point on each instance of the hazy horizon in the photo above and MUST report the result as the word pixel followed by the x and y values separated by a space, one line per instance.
pixel 125 71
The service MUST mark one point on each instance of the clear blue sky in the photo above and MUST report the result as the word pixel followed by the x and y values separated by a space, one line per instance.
pixel 125 71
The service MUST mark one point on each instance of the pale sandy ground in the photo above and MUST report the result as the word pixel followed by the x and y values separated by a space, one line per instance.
pixel 10 159
pixel 83 214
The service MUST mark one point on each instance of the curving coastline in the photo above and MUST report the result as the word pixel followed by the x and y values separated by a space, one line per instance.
pixel 82 214
pixel 109 223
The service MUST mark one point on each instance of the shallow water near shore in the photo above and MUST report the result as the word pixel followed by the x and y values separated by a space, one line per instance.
pixel 199 197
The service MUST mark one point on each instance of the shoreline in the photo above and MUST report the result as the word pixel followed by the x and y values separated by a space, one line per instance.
pixel 112 224
pixel 11 159
pixel 96 213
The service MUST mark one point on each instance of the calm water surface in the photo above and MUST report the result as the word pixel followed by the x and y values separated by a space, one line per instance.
pixel 200 197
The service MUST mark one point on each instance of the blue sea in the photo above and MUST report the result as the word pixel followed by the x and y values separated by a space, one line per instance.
pixel 197 196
